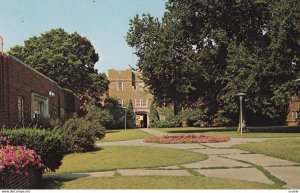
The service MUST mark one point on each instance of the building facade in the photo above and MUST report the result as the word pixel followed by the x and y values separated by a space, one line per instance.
pixel 293 112
pixel 26 94
pixel 126 85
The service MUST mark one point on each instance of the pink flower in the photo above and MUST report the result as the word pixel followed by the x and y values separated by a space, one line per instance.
pixel 187 139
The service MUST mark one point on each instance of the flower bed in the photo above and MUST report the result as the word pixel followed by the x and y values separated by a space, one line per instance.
pixel 18 163
pixel 187 139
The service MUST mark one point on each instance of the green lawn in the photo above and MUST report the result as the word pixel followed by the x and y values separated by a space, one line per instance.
pixel 226 131
pixel 157 182
pixel 288 149
pixel 123 135
pixel 111 158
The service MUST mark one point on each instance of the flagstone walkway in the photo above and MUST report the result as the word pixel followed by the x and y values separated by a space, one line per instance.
pixel 223 162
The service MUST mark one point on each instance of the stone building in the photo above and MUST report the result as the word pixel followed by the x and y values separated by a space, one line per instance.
pixel 27 95
pixel 293 112
pixel 125 85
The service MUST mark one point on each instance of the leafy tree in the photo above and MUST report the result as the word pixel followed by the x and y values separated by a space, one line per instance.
pixel 209 51
pixel 130 116
pixel 153 115
pixel 68 59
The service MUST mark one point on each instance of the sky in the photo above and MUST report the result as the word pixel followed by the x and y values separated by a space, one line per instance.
pixel 104 22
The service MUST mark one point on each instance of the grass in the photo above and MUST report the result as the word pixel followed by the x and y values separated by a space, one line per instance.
pixel 158 182
pixel 111 158
pixel 226 131
pixel 123 135
pixel 288 149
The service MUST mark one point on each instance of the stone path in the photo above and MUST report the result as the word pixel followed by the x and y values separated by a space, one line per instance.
pixel 223 162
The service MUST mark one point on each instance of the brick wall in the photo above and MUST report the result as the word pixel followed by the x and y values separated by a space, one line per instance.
pixel 20 80
pixel 132 87
pixel 17 181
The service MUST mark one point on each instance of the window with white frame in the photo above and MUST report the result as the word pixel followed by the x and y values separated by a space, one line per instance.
pixel 294 115
pixel 21 109
pixel 40 106
pixel 141 103
pixel 119 85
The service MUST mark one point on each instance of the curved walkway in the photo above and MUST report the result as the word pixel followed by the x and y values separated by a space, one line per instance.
pixel 223 162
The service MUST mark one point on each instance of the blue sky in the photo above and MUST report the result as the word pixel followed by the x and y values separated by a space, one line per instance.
pixel 104 22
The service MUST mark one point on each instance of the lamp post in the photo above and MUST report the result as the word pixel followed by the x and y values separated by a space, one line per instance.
pixel 125 109
pixel 241 95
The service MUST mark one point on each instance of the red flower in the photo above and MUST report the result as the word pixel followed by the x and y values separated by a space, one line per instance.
pixel 187 139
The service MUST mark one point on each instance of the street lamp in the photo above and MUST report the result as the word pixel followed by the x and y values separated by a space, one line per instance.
pixel 125 109
pixel 241 125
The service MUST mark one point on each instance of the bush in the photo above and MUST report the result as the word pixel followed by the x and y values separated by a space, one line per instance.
pixel 193 117
pixel 47 144
pixel 79 135
pixel 17 159
pixel 112 105
pixel 99 116
pixel 130 116
pixel 153 115
pixel 171 120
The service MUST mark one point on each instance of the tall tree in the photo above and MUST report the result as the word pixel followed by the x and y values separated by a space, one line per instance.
pixel 153 115
pixel 210 50
pixel 130 116
pixel 68 59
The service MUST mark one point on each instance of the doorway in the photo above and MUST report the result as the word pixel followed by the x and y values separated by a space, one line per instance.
pixel 141 120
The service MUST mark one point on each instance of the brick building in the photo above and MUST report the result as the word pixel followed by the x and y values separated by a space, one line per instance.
pixel 293 112
pixel 26 94
pixel 126 85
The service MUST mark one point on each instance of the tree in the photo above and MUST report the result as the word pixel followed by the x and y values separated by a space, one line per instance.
pixel 130 116
pixel 113 107
pixel 68 59
pixel 161 60
pixel 209 51
pixel 153 115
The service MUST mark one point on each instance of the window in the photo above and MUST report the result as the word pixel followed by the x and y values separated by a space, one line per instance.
pixel 144 102
pixel 40 107
pixel 294 115
pixel 141 103
pixel 137 102
pixel 21 110
pixel 119 86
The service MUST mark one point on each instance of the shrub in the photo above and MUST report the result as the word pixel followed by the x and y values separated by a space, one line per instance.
pixel 79 135
pixel 193 117
pixel 99 116
pixel 112 105
pixel 153 115
pixel 47 144
pixel 171 120
pixel 130 116
pixel 187 139
pixel 17 159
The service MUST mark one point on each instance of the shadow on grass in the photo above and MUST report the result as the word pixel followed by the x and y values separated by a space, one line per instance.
pixel 57 183
pixel 267 129
pixel 112 131
pixel 204 130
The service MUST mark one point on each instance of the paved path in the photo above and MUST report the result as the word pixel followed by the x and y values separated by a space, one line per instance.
pixel 223 162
